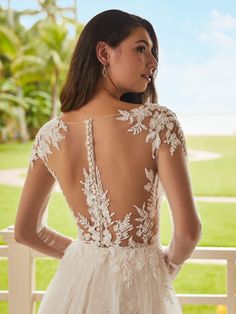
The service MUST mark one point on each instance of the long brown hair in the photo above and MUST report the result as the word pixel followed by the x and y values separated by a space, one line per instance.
pixel 112 27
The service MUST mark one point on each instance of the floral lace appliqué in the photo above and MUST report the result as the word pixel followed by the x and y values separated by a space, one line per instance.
pixel 100 229
pixel 49 134
pixel 147 213
pixel 98 207
pixel 162 120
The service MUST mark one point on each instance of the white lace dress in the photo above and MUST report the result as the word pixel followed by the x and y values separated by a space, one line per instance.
pixel 107 169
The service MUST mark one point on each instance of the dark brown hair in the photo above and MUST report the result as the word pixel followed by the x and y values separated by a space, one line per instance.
pixel 112 27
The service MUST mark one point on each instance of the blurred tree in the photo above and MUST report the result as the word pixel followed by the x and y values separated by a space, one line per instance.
pixel 51 10
pixel 10 43
pixel 33 64
pixel 55 49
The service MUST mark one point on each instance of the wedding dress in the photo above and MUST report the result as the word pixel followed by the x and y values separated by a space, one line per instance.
pixel 107 169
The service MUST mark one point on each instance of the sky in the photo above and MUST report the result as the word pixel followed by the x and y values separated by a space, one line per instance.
pixel 197 43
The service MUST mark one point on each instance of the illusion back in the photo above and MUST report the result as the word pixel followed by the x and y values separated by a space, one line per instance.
pixel 113 171
pixel 107 170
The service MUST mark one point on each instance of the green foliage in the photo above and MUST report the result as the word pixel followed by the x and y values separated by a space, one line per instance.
pixel 33 62
pixel 9 42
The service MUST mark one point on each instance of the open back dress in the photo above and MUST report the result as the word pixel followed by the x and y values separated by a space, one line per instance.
pixel 107 170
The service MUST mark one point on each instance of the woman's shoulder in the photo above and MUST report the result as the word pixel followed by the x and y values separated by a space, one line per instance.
pixel 49 126
pixel 163 109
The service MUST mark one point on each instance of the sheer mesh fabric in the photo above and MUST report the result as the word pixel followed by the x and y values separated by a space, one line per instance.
pixel 113 171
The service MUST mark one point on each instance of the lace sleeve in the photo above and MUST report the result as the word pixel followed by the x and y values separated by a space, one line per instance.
pixel 31 224
pixel 171 162
pixel 170 131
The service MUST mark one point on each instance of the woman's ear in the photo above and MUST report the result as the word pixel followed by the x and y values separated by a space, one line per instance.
pixel 102 53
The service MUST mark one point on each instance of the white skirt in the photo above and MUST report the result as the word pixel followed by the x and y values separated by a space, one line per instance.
pixel 121 280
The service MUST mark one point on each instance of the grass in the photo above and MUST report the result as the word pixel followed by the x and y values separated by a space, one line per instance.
pixel 218 224
pixel 220 173
pixel 219 220
pixel 15 155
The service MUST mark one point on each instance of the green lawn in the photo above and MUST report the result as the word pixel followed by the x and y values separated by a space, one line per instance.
pixel 15 155
pixel 219 220
pixel 220 173
pixel 218 224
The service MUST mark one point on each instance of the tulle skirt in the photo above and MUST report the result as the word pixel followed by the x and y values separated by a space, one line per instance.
pixel 121 280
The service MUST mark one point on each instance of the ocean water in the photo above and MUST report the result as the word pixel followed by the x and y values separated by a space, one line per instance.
pixel 208 124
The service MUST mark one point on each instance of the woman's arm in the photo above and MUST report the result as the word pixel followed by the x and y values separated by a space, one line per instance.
pixel 30 225
pixel 174 175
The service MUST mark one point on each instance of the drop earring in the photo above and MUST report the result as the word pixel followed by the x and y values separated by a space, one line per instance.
pixel 104 71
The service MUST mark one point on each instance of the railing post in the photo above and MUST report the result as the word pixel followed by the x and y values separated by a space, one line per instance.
pixel 231 286
pixel 21 275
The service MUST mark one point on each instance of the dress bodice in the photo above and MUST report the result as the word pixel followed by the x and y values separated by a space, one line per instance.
pixel 107 170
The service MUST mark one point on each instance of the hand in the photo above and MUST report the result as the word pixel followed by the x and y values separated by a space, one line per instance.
pixel 173 268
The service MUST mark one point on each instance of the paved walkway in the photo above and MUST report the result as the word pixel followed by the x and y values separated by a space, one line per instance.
pixel 216 199
pixel 198 155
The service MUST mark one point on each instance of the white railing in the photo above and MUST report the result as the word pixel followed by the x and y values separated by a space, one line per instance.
pixel 21 294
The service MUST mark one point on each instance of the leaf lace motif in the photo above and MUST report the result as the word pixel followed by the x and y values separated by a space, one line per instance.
pixel 161 119
pixel 101 218
pixel 98 204
pixel 147 213
pixel 98 207
pixel 136 115
pixel 49 134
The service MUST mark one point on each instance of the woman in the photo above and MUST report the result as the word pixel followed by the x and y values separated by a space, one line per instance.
pixel 113 151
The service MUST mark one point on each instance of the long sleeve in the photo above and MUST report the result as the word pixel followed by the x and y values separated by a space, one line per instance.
pixel 30 224
pixel 173 172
